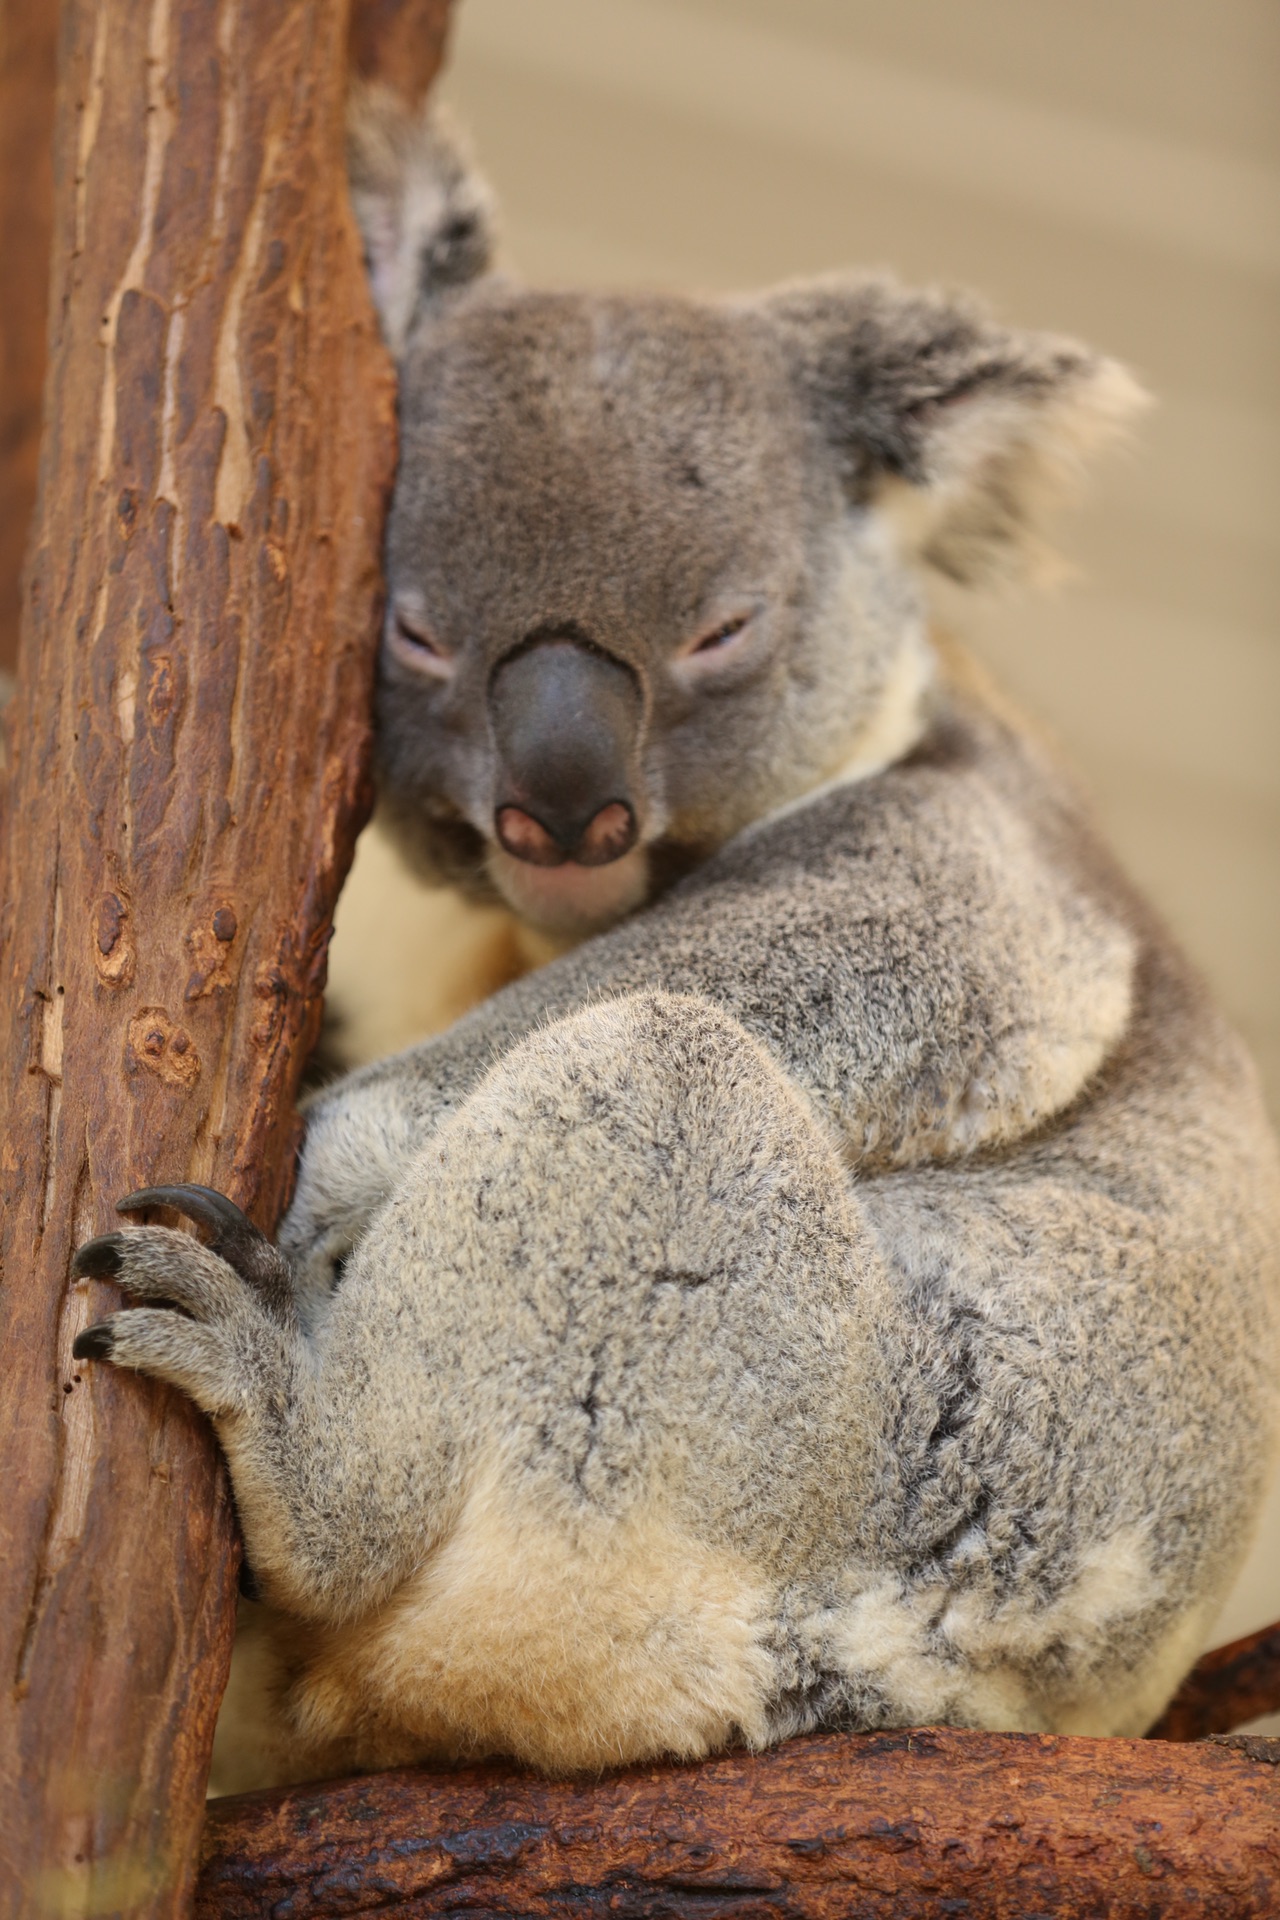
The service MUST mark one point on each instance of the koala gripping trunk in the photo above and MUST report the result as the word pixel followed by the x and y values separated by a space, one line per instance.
pixel 187 770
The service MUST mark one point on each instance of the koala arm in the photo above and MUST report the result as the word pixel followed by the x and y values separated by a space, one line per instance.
pixel 926 955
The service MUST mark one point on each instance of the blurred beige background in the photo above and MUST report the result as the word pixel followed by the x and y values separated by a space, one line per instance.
pixel 1109 168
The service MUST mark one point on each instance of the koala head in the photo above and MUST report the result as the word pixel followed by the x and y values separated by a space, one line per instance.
pixel 656 566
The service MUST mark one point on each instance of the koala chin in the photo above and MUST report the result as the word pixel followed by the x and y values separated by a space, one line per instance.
pixel 840 1290
pixel 569 899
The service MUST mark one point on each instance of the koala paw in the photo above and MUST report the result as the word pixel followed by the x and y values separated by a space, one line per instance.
pixel 222 1325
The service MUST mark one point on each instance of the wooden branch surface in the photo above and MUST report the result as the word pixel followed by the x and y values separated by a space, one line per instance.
pixel 1225 1689
pixel 400 42
pixel 188 748
pixel 908 1825
pixel 28 64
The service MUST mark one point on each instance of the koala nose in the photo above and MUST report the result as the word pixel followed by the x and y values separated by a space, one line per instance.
pixel 607 837
pixel 566 727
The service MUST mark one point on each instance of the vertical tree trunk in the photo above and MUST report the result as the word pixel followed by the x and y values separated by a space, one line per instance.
pixel 28 58
pixel 188 748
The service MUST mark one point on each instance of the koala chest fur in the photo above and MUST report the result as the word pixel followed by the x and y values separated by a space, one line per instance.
pixel 841 1289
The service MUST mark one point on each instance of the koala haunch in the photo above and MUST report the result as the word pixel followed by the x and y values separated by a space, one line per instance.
pixel 842 1290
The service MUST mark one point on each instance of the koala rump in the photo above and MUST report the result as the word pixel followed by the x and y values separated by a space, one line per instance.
pixel 841 1289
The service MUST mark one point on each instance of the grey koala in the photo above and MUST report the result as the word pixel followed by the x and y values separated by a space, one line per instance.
pixel 840 1290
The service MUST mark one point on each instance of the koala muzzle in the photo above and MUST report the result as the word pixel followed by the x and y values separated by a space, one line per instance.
pixel 566 722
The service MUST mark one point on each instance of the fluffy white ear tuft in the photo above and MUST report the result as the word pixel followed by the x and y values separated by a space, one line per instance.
pixel 997 469
pixel 425 214
pixel 965 433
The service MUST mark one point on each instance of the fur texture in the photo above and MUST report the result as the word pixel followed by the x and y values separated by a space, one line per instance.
pixel 842 1290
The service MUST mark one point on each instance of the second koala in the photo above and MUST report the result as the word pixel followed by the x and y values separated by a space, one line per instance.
pixel 842 1290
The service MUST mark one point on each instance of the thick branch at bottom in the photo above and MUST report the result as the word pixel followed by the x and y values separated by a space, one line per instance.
pixel 915 1824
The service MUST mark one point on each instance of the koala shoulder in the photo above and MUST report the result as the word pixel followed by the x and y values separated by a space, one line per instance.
pixel 942 959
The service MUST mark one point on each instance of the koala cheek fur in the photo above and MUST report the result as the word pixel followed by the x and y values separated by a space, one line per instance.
pixel 842 1290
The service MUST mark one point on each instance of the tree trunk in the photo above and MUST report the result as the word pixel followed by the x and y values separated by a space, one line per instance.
pixel 901 1826
pixel 188 768
pixel 28 59
pixel 399 41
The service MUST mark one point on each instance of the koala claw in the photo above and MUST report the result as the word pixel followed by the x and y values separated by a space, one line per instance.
pixel 223 1332
pixel 99 1259
pixel 93 1343
pixel 233 1236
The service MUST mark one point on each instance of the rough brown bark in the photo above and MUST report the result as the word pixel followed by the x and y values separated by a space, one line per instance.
pixel 1225 1689
pixel 188 768
pixel 908 1825
pixel 400 42
pixel 28 61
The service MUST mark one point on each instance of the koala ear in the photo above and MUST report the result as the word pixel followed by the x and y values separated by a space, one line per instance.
pixel 424 213
pixel 964 432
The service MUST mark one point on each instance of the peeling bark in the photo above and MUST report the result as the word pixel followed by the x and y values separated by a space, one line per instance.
pixel 188 768
pixel 902 1826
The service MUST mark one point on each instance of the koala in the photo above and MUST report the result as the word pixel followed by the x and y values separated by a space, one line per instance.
pixel 839 1290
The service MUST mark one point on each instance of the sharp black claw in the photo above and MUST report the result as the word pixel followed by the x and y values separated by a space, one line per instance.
pixel 97 1259
pixel 94 1343
pixel 233 1236
pixel 213 1210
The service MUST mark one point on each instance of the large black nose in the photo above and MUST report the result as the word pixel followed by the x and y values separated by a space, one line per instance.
pixel 566 725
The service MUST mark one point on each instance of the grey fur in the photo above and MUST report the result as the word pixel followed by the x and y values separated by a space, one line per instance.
pixel 842 1292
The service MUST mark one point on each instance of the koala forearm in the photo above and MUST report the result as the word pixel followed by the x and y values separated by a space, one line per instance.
pixel 904 951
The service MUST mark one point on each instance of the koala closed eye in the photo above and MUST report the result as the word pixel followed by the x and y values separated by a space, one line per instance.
pixel 412 643
pixel 724 649
pixel 720 637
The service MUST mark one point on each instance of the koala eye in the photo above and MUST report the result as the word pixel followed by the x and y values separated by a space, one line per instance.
pixel 412 642
pixel 720 636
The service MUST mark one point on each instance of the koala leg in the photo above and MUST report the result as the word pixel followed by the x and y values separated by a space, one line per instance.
pixel 600 1381
pixel 221 1325
pixel 625 1320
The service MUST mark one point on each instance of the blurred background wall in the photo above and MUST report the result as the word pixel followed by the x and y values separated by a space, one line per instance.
pixel 1109 168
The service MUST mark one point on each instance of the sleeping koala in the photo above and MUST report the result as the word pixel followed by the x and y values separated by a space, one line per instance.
pixel 840 1290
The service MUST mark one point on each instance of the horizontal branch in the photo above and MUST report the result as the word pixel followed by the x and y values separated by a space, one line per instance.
pixel 1000 1826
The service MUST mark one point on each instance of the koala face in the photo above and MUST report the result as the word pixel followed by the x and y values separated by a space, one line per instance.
pixel 655 565
pixel 631 604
